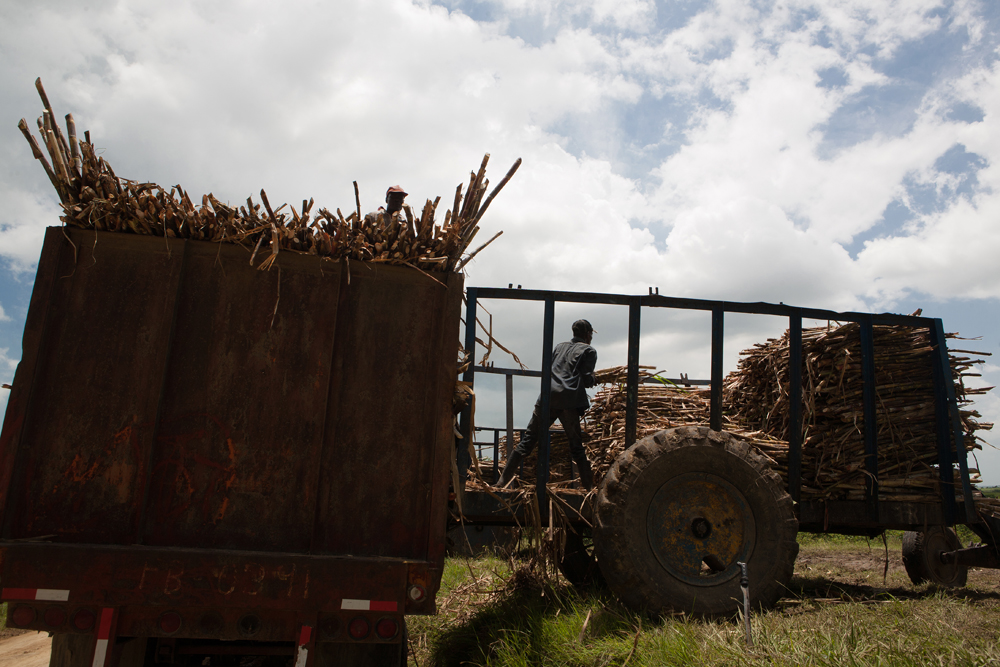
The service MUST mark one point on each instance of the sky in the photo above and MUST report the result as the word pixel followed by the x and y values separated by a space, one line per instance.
pixel 838 154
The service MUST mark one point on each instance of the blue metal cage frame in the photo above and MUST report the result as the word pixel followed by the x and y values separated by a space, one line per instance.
pixel 949 424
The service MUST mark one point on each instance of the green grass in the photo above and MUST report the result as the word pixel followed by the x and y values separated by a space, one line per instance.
pixel 840 610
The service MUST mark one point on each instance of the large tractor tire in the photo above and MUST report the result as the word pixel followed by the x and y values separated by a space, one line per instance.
pixel 679 509
pixel 922 557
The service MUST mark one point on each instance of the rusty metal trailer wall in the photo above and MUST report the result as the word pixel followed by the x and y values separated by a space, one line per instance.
pixel 170 395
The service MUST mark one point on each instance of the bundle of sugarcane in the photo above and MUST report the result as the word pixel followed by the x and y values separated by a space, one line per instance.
pixel 94 197
pixel 755 396
pixel 833 452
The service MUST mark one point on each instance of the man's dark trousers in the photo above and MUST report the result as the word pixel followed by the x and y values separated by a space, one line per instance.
pixel 570 420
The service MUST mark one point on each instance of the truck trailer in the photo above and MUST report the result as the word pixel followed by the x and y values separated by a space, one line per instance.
pixel 202 460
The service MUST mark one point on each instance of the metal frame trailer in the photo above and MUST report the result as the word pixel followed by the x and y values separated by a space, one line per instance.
pixel 869 516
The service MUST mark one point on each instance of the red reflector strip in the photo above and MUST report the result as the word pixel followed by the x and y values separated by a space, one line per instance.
pixel 302 653
pixel 104 629
pixel 103 635
pixel 51 594
pixel 369 605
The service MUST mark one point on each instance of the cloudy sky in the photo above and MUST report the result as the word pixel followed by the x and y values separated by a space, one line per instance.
pixel 841 154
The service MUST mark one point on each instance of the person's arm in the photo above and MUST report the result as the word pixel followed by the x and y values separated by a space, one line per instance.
pixel 588 362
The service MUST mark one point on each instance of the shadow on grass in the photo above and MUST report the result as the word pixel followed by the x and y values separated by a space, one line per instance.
pixel 517 628
pixel 822 588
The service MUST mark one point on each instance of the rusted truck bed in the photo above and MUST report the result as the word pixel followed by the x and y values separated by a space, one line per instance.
pixel 186 432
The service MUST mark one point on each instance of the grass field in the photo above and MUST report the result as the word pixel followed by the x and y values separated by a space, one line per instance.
pixel 847 605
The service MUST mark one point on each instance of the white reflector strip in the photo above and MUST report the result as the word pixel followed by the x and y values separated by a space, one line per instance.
pixel 357 605
pixel 51 594
pixel 301 657
pixel 100 652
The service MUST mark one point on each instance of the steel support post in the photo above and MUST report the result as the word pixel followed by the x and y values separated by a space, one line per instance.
pixel 509 387
pixel 871 420
pixel 795 406
pixel 465 425
pixel 951 437
pixel 543 435
pixel 718 323
pixel 632 376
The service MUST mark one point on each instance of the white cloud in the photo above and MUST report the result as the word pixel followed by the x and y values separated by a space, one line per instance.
pixel 756 202
pixel 22 223
pixel 7 365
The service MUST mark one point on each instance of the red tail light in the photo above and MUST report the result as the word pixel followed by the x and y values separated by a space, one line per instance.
pixel 54 617
pixel 23 615
pixel 386 628
pixel 83 620
pixel 358 628
pixel 170 622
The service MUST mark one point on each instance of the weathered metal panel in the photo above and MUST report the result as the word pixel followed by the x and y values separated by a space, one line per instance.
pixel 182 398
pixel 393 380
pixel 123 576
pixel 17 403
pixel 95 388
pixel 244 403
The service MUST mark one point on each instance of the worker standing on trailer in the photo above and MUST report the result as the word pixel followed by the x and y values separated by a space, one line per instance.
pixel 394 197
pixel 573 364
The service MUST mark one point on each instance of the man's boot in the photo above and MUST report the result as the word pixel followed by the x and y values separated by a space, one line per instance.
pixel 510 470
pixel 586 474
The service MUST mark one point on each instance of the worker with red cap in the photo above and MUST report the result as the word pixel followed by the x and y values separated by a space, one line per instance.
pixel 393 208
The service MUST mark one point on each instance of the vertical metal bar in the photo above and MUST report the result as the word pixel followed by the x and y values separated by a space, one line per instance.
pixel 632 375
pixel 509 382
pixel 465 424
pixel 795 406
pixel 871 423
pixel 543 435
pixel 942 410
pixel 950 420
pixel 496 453
pixel 718 329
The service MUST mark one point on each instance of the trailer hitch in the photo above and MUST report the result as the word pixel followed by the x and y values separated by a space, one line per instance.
pixel 984 556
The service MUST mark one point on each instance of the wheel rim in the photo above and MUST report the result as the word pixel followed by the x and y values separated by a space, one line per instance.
pixel 699 527
pixel 937 542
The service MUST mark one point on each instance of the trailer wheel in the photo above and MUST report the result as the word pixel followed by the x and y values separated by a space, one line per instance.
pixel 679 509
pixel 922 557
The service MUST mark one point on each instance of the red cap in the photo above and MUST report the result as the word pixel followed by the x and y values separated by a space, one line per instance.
pixel 396 188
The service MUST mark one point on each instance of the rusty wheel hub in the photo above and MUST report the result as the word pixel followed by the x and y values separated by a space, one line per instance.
pixel 699 526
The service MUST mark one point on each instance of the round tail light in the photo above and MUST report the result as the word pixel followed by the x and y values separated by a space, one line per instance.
pixel 54 617
pixel 328 627
pixel 170 622
pixel 23 615
pixel 386 628
pixel 83 620
pixel 358 628
pixel 249 625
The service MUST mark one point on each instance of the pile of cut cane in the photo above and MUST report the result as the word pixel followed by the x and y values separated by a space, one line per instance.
pixel 756 405
pixel 94 197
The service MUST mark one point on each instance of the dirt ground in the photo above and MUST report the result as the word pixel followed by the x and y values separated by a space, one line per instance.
pixel 24 649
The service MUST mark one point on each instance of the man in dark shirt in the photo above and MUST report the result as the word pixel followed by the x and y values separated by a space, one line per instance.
pixel 573 366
